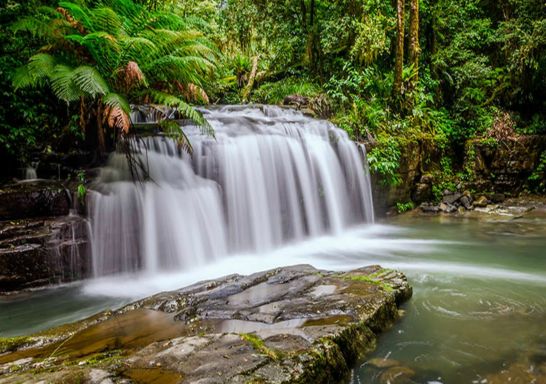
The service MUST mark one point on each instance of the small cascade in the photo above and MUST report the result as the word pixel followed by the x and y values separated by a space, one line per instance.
pixel 69 247
pixel 30 172
pixel 270 176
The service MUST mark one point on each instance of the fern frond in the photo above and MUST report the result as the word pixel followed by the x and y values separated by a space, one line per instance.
pixel 138 48
pixel 185 110
pixel 22 78
pixel 63 85
pixel 42 65
pixel 187 69
pixel 106 19
pixel 171 129
pixel 117 118
pixel 90 81
pixel 115 100
pixel 78 13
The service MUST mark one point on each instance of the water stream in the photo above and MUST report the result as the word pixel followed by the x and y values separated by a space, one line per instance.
pixel 276 188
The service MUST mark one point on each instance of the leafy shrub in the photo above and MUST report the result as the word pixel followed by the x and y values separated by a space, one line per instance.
pixel 275 92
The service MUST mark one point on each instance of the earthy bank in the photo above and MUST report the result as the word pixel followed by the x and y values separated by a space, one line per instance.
pixel 287 325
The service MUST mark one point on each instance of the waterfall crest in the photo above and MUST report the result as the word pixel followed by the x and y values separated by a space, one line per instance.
pixel 271 176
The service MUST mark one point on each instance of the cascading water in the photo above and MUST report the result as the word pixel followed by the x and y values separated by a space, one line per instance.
pixel 271 176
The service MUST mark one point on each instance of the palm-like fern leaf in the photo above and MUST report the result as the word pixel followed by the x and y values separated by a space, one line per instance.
pixel 63 85
pixel 90 81
pixel 79 14
pixel 115 100
pixel 185 109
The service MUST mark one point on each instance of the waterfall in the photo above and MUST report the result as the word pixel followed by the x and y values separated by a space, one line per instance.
pixel 269 177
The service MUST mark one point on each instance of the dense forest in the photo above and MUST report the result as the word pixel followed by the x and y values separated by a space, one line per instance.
pixel 438 71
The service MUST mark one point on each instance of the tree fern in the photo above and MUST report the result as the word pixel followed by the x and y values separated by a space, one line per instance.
pixel 79 13
pixel 112 52
pixel 90 81
pixel 63 85
pixel 116 100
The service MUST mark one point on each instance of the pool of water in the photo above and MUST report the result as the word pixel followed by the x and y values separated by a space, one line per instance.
pixel 481 314
pixel 479 303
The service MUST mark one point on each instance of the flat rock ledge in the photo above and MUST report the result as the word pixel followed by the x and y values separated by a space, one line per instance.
pixel 288 325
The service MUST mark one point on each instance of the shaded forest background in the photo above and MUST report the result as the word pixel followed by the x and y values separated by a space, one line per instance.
pixel 388 72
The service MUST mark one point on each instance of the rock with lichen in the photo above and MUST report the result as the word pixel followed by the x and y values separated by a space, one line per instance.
pixel 287 325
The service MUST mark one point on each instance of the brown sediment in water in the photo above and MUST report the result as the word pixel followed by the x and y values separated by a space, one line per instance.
pixel 127 331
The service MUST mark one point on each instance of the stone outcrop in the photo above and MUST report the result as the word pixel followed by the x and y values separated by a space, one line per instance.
pixel 40 198
pixel 503 166
pixel 42 251
pixel 40 242
pixel 491 168
pixel 287 325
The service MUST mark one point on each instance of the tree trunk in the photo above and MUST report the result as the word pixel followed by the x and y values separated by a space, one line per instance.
pixel 313 40
pixel 83 121
pixel 100 130
pixel 250 84
pixel 399 60
pixel 303 10
pixel 414 49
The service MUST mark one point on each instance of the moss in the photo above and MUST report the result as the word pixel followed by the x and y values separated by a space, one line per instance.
pixel 370 279
pixel 10 344
pixel 104 358
pixel 259 345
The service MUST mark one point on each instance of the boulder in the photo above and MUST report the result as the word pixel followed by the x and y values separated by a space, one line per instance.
pixel 466 202
pixel 296 101
pixel 451 197
pixel 39 252
pixel 481 202
pixel 288 325
pixel 429 208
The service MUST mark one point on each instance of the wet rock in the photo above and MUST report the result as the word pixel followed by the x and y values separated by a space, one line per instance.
pixel 451 197
pixel 39 252
pixel 481 202
pixel 447 208
pixel 397 375
pixel 429 208
pixel 383 363
pixel 497 198
pixel 314 325
pixel 422 192
pixel 296 100
pixel 34 199
pixel 466 202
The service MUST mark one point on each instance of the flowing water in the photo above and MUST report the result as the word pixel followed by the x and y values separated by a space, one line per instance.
pixel 269 177
pixel 274 189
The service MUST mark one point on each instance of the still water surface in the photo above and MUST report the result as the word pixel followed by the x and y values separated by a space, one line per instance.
pixel 479 301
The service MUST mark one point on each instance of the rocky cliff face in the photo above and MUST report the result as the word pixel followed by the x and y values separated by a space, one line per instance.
pixel 40 242
pixel 489 168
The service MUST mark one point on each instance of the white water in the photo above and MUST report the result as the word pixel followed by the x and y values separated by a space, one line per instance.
pixel 271 177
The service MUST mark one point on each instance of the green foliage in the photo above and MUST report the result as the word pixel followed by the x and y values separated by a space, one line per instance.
pixel 537 180
pixel 404 207
pixel 81 189
pixel 478 60
pixel 274 93
pixel 384 159
pixel 114 52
